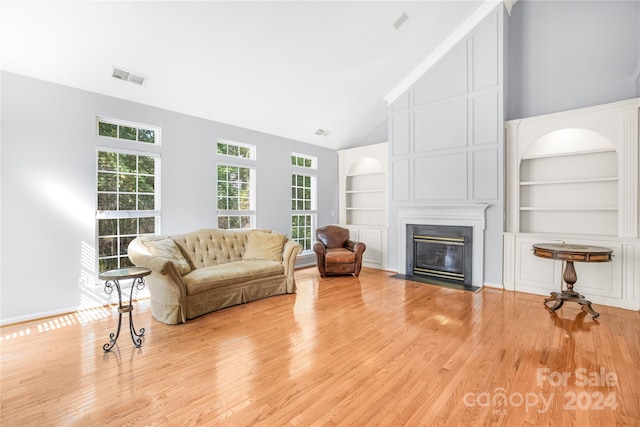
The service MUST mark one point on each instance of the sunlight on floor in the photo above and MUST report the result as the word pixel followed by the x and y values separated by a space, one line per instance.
pixel 83 316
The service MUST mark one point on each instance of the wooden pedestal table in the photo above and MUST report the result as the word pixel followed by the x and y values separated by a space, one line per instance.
pixel 570 254
pixel 112 279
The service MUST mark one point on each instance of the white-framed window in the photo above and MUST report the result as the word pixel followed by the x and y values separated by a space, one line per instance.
pixel 236 185
pixel 304 161
pixel 303 209
pixel 128 131
pixel 236 149
pixel 127 202
pixel 236 196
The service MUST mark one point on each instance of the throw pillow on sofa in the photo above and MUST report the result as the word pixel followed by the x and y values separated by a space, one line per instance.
pixel 264 246
pixel 167 248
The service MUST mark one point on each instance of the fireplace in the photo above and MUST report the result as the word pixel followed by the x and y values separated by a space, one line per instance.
pixel 459 215
pixel 438 252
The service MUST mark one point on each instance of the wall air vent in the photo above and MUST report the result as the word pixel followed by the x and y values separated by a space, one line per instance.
pixel 129 76
pixel 322 132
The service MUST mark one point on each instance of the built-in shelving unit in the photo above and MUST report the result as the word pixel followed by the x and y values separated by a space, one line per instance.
pixel 363 199
pixel 572 192
pixel 572 177
pixel 366 198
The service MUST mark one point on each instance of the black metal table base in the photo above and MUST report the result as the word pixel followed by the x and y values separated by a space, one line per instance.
pixel 571 296
pixel 125 307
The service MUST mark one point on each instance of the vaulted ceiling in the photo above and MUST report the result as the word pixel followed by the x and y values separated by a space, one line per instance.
pixel 286 68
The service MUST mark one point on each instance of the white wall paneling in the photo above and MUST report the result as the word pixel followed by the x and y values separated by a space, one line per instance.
pixel 440 177
pixel 484 182
pixel 401 179
pixel 447 79
pixel 485 53
pixel 401 133
pixel 441 126
pixel 486 123
pixel 455 140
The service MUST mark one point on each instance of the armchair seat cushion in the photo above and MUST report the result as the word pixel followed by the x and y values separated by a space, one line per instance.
pixel 216 276
pixel 339 255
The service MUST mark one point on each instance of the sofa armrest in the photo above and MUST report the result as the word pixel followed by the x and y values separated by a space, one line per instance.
pixel 290 252
pixel 165 284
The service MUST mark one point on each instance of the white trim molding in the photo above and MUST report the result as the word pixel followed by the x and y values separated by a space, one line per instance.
pixel 469 215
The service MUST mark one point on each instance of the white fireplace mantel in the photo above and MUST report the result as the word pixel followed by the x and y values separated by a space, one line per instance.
pixel 466 215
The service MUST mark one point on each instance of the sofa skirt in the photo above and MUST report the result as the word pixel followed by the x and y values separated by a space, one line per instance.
pixel 234 294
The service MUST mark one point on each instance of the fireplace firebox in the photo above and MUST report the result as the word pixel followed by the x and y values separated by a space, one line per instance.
pixel 440 252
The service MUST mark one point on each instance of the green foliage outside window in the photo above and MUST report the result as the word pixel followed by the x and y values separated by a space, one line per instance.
pixel 234 194
pixel 302 161
pixel 130 133
pixel 301 230
pixel 301 200
pixel 125 182
pixel 234 150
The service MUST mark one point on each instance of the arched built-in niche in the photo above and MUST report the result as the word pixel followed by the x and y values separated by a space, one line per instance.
pixel 569 184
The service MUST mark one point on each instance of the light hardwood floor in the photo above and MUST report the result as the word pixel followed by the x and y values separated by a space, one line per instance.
pixel 372 350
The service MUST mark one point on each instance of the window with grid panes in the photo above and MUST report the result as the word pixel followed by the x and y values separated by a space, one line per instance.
pixel 304 161
pixel 128 131
pixel 303 207
pixel 127 203
pixel 236 200
pixel 235 186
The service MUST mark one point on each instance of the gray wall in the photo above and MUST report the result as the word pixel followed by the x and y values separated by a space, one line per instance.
pixel 569 54
pixel 376 136
pixel 446 138
pixel 49 178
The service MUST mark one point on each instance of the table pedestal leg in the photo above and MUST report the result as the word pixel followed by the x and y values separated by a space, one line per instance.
pixel 136 337
pixel 570 277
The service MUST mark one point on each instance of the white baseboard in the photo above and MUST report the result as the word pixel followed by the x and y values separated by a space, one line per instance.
pixel 494 285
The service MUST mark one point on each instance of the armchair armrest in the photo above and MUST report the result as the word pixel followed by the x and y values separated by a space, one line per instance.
pixel 319 247
pixel 357 247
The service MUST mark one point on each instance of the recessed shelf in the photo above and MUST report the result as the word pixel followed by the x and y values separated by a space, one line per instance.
pixel 569 153
pixel 572 181
pixel 376 190
pixel 365 174
pixel 568 208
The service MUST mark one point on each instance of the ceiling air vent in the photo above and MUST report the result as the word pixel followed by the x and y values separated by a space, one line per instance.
pixel 322 132
pixel 129 76
pixel 401 20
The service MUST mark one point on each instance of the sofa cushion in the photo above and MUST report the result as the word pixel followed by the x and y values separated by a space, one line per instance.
pixel 203 279
pixel 167 248
pixel 264 246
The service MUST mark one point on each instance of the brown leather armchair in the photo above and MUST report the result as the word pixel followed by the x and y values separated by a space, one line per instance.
pixel 336 253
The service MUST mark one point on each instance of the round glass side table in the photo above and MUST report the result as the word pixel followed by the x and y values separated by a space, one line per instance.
pixel 112 280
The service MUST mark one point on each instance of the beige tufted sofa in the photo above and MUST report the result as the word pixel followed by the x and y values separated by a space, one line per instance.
pixel 206 270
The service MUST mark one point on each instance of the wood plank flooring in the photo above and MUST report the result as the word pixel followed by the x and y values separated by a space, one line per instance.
pixel 364 351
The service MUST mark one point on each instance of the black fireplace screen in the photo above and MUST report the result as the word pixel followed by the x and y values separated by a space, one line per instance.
pixel 440 256
pixel 440 252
